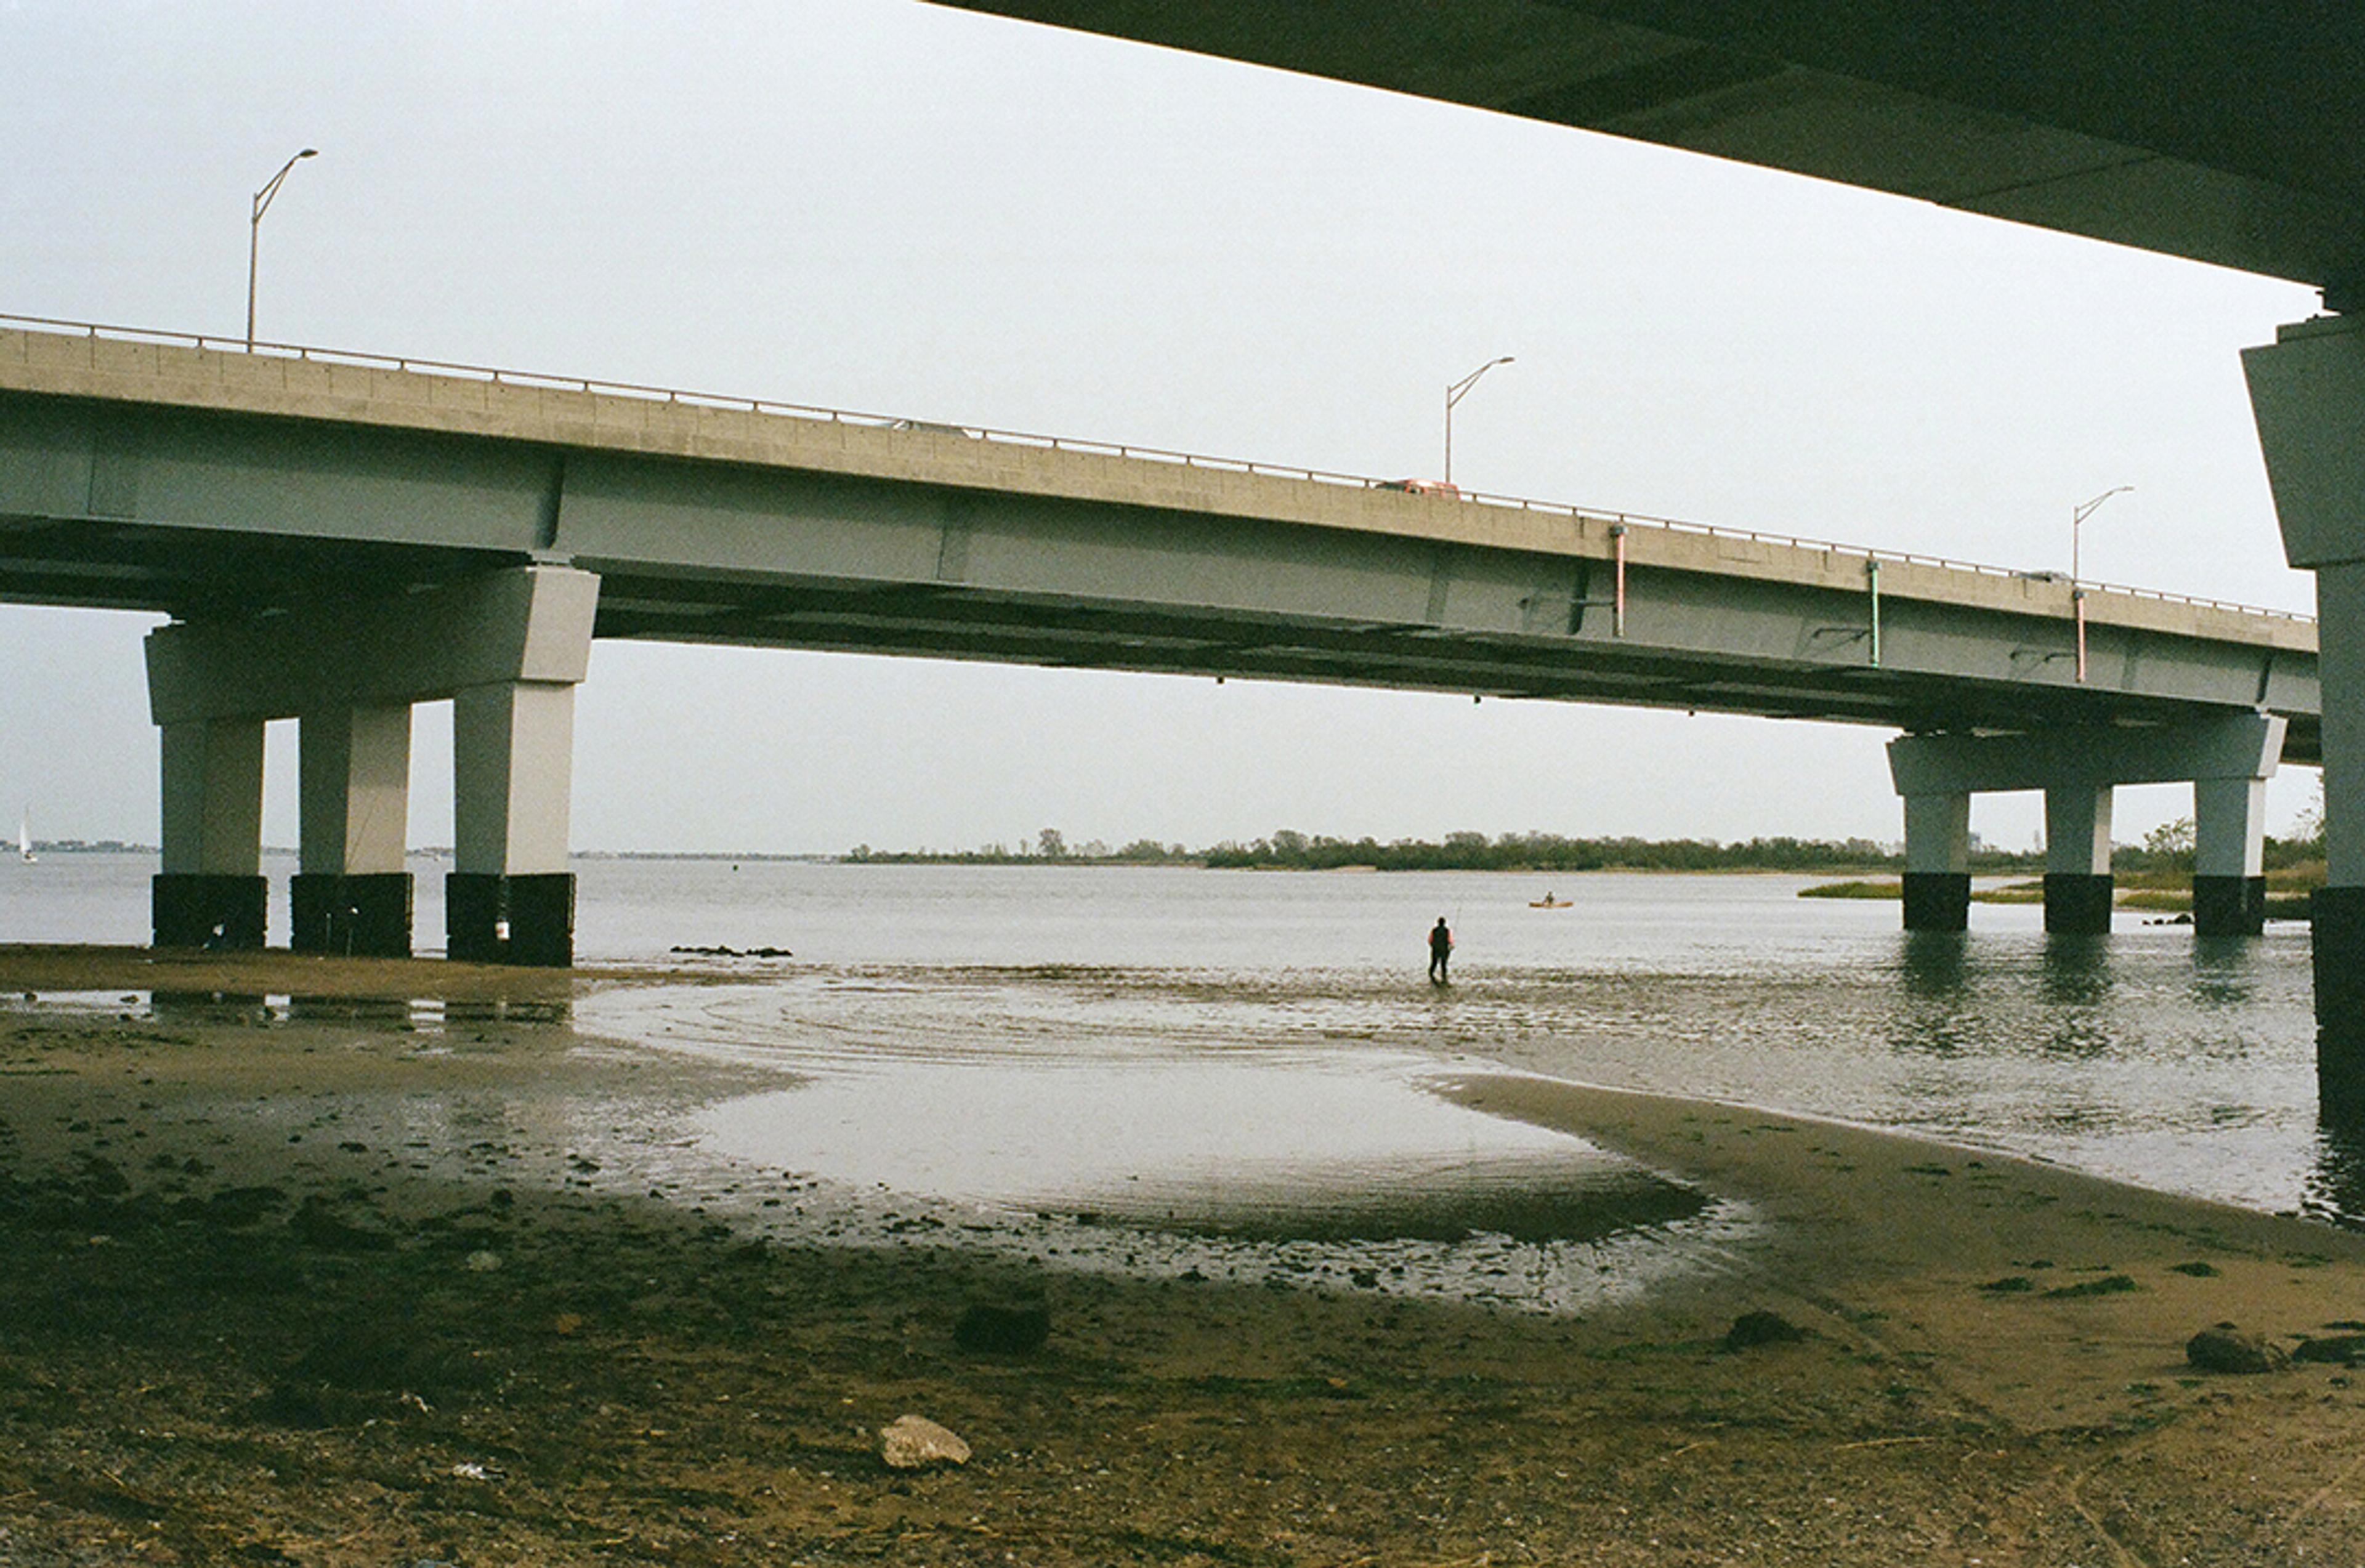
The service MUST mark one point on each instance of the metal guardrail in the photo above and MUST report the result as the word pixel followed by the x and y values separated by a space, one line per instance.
pixel 1069 444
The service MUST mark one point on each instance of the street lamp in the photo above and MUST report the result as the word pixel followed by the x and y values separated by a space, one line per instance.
pixel 254 233
pixel 2077 516
pixel 1454 394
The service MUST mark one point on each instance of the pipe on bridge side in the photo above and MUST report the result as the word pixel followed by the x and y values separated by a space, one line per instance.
pixel 508 648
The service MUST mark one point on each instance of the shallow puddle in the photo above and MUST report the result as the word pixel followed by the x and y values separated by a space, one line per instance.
pixel 985 1123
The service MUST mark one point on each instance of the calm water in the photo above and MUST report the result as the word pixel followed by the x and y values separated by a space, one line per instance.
pixel 1176 1057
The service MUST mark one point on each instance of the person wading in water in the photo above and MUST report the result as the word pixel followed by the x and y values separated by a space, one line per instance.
pixel 1440 948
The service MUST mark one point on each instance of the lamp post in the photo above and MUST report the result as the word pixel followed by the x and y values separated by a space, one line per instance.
pixel 254 233
pixel 2077 516
pixel 1454 394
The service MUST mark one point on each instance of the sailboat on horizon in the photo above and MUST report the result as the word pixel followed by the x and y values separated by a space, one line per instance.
pixel 25 835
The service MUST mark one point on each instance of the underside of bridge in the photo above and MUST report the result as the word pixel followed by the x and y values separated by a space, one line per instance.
pixel 2218 130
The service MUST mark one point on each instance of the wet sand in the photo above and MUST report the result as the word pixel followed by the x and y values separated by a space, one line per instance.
pixel 340 1290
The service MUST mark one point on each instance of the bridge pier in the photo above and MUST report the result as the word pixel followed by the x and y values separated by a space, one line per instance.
pixel 351 894
pixel 508 648
pixel 1938 861
pixel 2229 874
pixel 2307 392
pixel 2228 760
pixel 208 890
pixel 509 898
pixel 2077 887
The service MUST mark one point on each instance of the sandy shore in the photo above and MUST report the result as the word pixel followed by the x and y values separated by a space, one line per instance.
pixel 334 1288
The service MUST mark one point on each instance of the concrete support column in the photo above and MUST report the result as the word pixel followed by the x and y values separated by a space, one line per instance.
pixel 2339 914
pixel 2229 881
pixel 208 891
pixel 2307 390
pixel 508 647
pixel 511 897
pixel 351 894
pixel 1938 862
pixel 2077 859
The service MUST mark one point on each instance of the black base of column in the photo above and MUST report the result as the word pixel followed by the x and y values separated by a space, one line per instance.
pixel 193 910
pixel 2339 921
pixel 1937 901
pixel 2077 902
pixel 491 919
pixel 2229 906
pixel 367 914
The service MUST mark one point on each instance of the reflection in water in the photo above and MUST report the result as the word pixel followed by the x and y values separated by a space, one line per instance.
pixel 2222 971
pixel 2076 980
pixel 2077 968
pixel 350 1009
pixel 2336 1187
pixel 1934 1019
pixel 1936 964
pixel 207 1007
pixel 426 1013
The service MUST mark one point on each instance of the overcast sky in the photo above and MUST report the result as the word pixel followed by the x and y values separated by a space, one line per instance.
pixel 882 206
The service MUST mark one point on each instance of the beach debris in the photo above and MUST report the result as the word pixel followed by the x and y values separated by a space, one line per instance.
pixel 2011 1284
pixel 914 1443
pixel 2340 1350
pixel 470 1470
pixel 2227 1349
pixel 316 1223
pixel 2108 1284
pixel 733 952
pixel 1751 1329
pixel 483 1262
pixel 1009 1329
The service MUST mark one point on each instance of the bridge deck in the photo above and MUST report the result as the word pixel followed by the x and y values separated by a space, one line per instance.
pixel 166 475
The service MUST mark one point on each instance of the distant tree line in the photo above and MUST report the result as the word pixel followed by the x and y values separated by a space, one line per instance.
pixel 1294 851
pixel 1288 850
pixel 2165 849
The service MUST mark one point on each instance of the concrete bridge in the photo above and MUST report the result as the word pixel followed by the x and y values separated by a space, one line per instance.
pixel 340 536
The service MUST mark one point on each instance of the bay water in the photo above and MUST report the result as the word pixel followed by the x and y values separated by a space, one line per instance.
pixel 1173 1069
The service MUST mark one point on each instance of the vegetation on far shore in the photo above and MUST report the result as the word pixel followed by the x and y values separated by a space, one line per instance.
pixel 2166 852
pixel 1289 850
pixel 2156 875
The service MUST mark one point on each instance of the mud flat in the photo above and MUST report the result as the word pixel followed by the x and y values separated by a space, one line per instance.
pixel 330 1285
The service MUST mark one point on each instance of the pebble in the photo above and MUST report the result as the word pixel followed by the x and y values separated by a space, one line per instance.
pixel 912 1442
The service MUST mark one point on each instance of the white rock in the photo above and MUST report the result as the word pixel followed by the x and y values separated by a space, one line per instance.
pixel 915 1441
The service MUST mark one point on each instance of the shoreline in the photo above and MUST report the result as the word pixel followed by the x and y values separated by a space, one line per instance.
pixel 192 1371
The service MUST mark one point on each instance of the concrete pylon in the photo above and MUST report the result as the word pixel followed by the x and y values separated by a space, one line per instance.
pixel 1938 861
pixel 208 890
pixel 351 894
pixel 508 648
pixel 2307 391
pixel 510 897
pixel 2229 873
pixel 2228 760
pixel 2077 887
